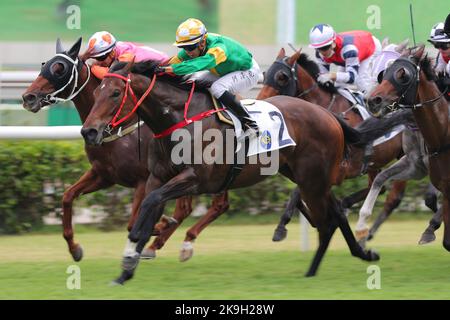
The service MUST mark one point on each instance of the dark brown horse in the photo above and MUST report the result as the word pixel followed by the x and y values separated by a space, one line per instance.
pixel 410 83
pixel 117 160
pixel 316 161
pixel 296 76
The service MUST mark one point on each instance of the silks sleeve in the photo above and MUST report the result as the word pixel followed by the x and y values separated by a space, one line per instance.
pixel 211 59
pixel 98 71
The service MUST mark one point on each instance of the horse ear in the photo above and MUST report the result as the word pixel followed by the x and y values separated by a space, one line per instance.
pixel 59 47
pixel 73 52
pixel 419 52
pixel 385 42
pixel 402 46
pixel 281 54
pixel 294 57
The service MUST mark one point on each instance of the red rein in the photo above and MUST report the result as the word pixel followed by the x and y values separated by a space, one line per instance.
pixel 114 122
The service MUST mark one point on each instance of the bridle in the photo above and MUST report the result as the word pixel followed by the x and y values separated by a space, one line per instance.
pixel 408 90
pixel 51 98
pixel 128 89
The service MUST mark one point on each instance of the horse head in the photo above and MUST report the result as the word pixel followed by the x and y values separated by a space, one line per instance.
pixel 399 84
pixel 58 76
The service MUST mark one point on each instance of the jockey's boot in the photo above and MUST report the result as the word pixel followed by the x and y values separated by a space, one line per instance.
pixel 230 101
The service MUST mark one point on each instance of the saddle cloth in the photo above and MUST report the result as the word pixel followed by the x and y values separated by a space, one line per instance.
pixel 273 134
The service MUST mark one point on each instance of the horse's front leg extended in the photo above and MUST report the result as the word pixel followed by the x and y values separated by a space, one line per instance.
pixel 150 212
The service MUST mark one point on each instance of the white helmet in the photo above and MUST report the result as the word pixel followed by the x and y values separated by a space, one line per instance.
pixel 437 33
pixel 321 35
pixel 101 43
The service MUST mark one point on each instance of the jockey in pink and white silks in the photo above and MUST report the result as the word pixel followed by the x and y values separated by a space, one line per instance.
pixel 352 51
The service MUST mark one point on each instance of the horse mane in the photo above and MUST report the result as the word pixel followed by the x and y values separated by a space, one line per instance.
pixel 147 69
pixel 427 67
pixel 313 69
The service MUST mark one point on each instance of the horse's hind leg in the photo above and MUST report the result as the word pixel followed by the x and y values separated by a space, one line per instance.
pixel 355 249
pixel 325 234
pixel 281 231
pixel 219 205
pixel 393 200
pixel 393 172
pixel 434 224
pixel 167 227
pixel 89 182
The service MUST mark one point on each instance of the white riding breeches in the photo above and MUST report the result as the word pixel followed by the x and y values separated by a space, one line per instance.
pixel 237 82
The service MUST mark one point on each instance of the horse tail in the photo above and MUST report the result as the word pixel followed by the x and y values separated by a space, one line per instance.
pixel 351 135
pixel 374 128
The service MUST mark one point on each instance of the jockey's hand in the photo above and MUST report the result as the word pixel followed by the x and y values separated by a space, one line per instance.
pixel 326 77
pixel 163 70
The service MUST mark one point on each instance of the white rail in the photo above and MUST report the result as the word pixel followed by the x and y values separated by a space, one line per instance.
pixel 40 133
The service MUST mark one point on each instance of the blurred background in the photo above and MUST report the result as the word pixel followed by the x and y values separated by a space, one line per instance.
pixel 33 174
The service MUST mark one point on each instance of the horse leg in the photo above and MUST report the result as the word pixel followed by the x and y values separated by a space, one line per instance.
pixel 166 228
pixel 355 197
pixel 152 207
pixel 446 216
pixel 139 194
pixel 393 172
pixel 355 249
pixel 431 197
pixel 281 231
pixel 393 200
pixel 434 224
pixel 89 182
pixel 219 205
pixel 325 235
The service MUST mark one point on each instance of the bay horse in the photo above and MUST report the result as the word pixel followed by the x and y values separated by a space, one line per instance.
pixel 410 83
pixel 167 106
pixel 67 77
pixel 296 76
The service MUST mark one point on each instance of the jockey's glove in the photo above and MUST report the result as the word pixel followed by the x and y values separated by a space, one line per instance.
pixel 326 77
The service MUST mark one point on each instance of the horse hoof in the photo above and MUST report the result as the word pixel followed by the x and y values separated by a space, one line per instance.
pixel 370 236
pixel 148 254
pixel 279 234
pixel 130 263
pixel 77 253
pixel 427 238
pixel 372 255
pixel 126 275
pixel 186 254
pixel 310 274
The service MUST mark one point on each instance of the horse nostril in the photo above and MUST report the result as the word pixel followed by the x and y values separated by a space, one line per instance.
pixel 89 134
pixel 29 98
pixel 377 100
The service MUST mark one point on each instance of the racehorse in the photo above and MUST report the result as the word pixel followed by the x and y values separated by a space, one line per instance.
pixel 413 165
pixel 296 76
pixel 116 161
pixel 410 83
pixel 315 162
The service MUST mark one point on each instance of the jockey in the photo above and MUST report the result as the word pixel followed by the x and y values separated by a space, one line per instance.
pixel 352 51
pixel 447 25
pixel 231 68
pixel 104 48
pixel 441 41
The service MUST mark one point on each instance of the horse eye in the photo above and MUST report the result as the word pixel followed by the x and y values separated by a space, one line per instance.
pixel 116 93
pixel 402 76
pixel 281 78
